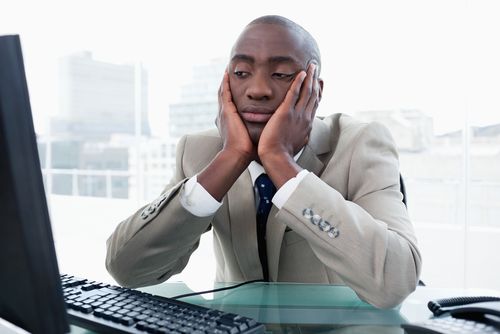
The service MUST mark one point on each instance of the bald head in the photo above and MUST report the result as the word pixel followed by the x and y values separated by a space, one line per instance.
pixel 265 61
pixel 311 47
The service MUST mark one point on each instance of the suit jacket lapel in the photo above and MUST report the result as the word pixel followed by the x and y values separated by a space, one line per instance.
pixel 241 202
pixel 319 144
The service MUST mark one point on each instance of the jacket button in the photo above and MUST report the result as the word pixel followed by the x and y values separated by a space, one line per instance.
pixel 316 219
pixel 333 233
pixel 307 213
pixel 324 226
pixel 151 209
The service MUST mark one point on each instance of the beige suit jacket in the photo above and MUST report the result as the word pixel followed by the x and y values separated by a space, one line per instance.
pixel 354 186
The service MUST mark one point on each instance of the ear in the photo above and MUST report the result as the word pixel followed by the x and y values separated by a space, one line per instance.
pixel 320 93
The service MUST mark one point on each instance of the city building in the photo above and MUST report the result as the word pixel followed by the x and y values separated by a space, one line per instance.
pixel 103 109
pixel 198 104
pixel 411 128
pixel 98 99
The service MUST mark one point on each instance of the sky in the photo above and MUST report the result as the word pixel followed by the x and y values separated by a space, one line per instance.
pixel 438 56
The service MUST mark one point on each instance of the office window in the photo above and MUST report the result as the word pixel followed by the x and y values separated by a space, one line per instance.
pixel 114 85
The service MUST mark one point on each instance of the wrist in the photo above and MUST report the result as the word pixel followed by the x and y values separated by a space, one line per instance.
pixel 239 158
pixel 280 167
pixel 219 176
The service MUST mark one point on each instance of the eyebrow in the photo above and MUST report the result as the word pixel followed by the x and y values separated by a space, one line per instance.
pixel 274 59
pixel 243 57
pixel 283 59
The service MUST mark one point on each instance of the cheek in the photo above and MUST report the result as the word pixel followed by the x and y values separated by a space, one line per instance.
pixel 281 91
pixel 237 92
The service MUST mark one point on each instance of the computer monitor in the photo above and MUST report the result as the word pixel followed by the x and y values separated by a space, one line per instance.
pixel 30 287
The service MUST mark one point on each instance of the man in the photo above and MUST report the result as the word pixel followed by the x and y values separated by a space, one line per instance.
pixel 338 215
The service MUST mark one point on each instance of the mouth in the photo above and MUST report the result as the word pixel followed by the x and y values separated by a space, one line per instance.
pixel 256 115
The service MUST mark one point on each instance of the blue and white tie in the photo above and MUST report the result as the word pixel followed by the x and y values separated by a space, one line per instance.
pixel 266 190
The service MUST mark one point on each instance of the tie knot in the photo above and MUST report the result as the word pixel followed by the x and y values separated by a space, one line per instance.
pixel 266 190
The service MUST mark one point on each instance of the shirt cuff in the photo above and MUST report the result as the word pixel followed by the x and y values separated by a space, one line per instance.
pixel 286 190
pixel 197 200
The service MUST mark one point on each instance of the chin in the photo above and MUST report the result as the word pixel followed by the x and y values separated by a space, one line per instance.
pixel 254 131
pixel 255 140
pixel 254 137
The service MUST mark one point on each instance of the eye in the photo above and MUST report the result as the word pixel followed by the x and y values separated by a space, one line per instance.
pixel 241 74
pixel 283 75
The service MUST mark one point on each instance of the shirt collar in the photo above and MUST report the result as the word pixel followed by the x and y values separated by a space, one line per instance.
pixel 256 169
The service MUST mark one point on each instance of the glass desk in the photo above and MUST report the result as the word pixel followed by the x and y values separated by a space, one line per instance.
pixel 312 308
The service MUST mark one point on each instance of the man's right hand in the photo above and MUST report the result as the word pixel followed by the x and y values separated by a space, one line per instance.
pixel 238 149
pixel 233 131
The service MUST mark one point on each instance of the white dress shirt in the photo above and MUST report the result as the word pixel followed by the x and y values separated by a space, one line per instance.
pixel 198 201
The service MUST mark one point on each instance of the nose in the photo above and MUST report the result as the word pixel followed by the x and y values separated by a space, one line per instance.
pixel 259 87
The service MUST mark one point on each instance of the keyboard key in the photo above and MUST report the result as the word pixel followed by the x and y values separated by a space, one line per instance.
pixel 163 330
pixel 250 322
pixel 197 332
pixel 85 308
pixel 152 320
pixel 215 331
pixel 98 312
pixel 141 325
pixel 96 304
pixel 127 321
pixel 113 308
pixel 230 328
pixel 241 326
pixel 173 326
pixel 116 317
pixel 162 323
pixel 106 306
pixel 107 314
pixel 151 328
pixel 88 287
pixel 133 314
pixel 138 309
pixel 122 311
pixel 141 317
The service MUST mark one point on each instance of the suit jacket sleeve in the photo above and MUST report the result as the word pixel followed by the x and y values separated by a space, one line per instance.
pixel 156 241
pixel 375 252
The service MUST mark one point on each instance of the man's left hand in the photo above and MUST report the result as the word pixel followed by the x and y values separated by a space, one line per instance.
pixel 288 129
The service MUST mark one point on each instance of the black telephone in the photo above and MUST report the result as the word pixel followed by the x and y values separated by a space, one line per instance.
pixel 460 315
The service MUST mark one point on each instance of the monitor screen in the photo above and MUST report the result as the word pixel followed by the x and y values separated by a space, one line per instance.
pixel 30 287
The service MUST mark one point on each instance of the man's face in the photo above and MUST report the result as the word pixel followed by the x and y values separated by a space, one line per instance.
pixel 264 61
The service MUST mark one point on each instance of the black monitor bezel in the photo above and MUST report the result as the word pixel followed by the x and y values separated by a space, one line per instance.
pixel 30 287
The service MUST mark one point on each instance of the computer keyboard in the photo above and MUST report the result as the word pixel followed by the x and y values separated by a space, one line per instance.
pixel 106 308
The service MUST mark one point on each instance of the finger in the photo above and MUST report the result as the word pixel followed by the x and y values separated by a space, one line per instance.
pixel 292 95
pixel 219 92
pixel 307 87
pixel 306 140
pixel 224 97
pixel 217 122
pixel 226 89
pixel 312 103
pixel 219 100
